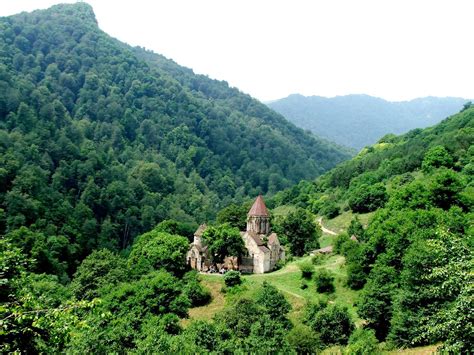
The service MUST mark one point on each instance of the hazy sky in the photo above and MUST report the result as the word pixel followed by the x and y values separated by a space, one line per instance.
pixel 394 49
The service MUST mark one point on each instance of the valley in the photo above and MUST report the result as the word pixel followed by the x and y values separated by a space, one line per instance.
pixel 126 178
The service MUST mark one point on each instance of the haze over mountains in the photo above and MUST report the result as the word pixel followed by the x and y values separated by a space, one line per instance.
pixel 359 120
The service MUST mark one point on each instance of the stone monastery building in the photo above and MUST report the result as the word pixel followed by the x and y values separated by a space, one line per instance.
pixel 263 247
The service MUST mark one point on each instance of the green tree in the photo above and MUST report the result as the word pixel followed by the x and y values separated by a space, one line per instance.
pixel 361 342
pixel 274 303
pixel 304 340
pixel 367 198
pixel 196 293
pixel 155 250
pixel 235 215
pixel 301 231
pixel 375 301
pixel 332 322
pixel 232 278
pixel 324 281
pixel 437 157
pixel 100 269
pixel 223 240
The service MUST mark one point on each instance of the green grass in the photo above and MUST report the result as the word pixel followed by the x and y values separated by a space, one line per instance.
pixel 288 280
pixel 342 222
pixel 282 211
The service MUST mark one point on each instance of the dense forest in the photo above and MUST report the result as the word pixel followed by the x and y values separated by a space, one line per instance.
pixel 109 155
pixel 357 121
pixel 99 141
pixel 413 263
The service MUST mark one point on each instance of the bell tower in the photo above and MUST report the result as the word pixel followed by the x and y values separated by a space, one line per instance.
pixel 258 218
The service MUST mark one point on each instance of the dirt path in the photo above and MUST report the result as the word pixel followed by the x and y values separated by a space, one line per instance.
pixel 324 229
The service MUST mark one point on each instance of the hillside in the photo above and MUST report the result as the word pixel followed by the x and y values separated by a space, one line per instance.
pixel 409 201
pixel 359 120
pixel 100 141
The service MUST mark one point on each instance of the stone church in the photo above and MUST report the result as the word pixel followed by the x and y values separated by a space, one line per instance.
pixel 263 247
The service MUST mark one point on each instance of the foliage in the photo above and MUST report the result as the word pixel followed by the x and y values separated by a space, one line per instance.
pixel 99 142
pixel 303 340
pixel 101 269
pixel 222 241
pixel 232 278
pixel 301 231
pixel 367 198
pixel 172 226
pixel 307 269
pixel 273 302
pixel 194 291
pixel 155 249
pixel 115 325
pixel 362 342
pixel 329 209
pixel 38 314
pixel 51 254
pixel 436 157
pixel 324 281
pixel 234 215
pixel 356 228
pixel 331 321
pixel 249 329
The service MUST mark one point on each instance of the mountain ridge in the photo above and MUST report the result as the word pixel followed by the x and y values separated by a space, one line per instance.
pixel 123 141
pixel 359 120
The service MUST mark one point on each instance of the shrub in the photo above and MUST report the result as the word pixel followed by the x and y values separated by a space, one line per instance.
pixel 318 259
pixel 232 278
pixel 332 322
pixel 303 339
pixel 324 281
pixel 307 269
pixel 330 210
pixel 436 157
pixel 362 342
pixel 339 242
pixel 367 198
pixel 196 293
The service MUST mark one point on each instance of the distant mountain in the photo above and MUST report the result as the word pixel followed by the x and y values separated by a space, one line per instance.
pixel 360 120
pixel 100 141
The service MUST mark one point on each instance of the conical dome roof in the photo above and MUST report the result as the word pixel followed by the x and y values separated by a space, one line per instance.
pixel 258 208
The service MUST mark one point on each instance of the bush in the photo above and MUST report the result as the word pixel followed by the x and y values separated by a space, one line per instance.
pixel 367 198
pixel 304 285
pixel 332 322
pixel 196 293
pixel 303 339
pixel 307 269
pixel 330 210
pixel 436 157
pixel 232 278
pixel 362 342
pixel 324 281
pixel 318 259
pixel 339 242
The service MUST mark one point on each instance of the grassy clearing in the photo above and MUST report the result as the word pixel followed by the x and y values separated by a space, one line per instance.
pixel 288 280
pixel 423 350
pixel 342 222
pixel 214 284
pixel 282 211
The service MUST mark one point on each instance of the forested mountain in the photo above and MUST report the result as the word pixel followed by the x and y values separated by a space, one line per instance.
pixel 414 261
pixel 360 120
pixel 100 141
